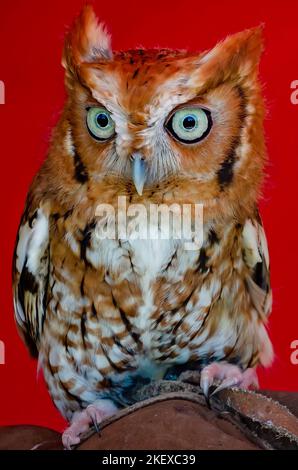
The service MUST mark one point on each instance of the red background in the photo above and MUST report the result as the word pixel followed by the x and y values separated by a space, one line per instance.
pixel 31 39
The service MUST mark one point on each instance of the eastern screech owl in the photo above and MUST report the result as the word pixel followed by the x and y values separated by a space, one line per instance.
pixel 157 126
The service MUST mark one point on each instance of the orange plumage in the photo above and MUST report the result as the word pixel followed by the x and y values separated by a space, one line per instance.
pixel 155 126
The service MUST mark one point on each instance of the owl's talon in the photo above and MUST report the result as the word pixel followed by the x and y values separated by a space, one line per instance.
pixel 69 439
pixel 96 416
pixel 227 383
pixel 206 382
pixel 96 427
pixel 82 420
pixel 226 375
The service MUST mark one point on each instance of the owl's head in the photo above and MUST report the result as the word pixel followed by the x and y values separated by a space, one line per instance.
pixel 151 119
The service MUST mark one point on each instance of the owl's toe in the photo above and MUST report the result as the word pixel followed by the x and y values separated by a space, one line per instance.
pixel 70 438
pixel 80 424
pixel 94 414
pixel 224 375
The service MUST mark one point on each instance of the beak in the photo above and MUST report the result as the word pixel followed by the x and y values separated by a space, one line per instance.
pixel 139 171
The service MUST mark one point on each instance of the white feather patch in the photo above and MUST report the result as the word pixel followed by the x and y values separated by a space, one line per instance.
pixel 39 239
pixel 250 241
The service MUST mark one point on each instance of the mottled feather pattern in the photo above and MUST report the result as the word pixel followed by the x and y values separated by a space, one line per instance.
pixel 105 316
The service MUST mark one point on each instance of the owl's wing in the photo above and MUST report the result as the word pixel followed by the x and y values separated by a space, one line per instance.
pixel 30 276
pixel 256 257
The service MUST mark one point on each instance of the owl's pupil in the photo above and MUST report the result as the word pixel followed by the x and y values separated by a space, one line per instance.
pixel 189 122
pixel 102 120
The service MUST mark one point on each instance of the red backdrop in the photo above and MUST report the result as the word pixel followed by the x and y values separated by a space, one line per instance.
pixel 31 39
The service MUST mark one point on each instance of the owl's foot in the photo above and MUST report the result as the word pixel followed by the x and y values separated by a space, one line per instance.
pixel 225 375
pixel 93 415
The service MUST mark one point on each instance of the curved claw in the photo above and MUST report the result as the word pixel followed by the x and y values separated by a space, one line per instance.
pixel 205 383
pixel 229 382
pixel 95 417
pixel 96 426
pixel 225 375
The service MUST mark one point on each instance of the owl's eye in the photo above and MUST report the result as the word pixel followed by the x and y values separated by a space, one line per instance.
pixel 190 125
pixel 100 124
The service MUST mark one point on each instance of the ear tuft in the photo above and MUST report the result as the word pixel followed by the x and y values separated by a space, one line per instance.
pixel 247 48
pixel 238 56
pixel 87 41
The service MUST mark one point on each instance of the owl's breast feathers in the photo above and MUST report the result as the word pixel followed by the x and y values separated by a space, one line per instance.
pixel 95 309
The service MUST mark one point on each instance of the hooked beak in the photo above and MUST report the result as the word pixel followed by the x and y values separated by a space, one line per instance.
pixel 139 171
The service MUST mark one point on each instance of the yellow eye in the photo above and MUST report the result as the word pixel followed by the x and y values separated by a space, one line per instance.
pixel 100 124
pixel 190 125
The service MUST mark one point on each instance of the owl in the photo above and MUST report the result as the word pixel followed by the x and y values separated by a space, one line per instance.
pixel 105 315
